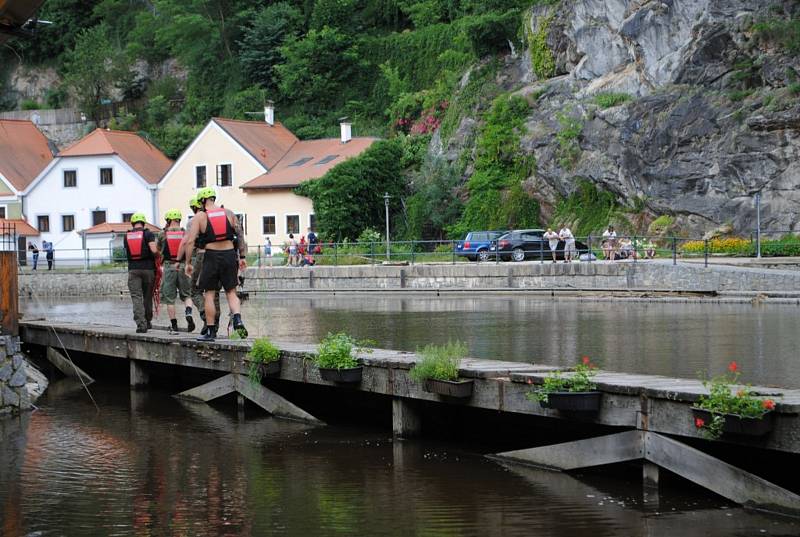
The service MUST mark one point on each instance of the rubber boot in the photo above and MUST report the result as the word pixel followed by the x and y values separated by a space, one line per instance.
pixel 189 320
pixel 238 326
pixel 173 326
pixel 210 335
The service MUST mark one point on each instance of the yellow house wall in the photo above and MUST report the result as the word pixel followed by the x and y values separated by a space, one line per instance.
pixel 215 148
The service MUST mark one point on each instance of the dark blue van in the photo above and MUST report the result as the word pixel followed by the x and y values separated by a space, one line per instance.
pixel 475 246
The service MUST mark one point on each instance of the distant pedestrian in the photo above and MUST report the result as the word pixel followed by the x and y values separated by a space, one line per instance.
pixel 569 243
pixel 141 249
pixel 268 248
pixel 313 241
pixel 35 253
pixel 609 243
pixel 291 250
pixel 303 244
pixel 48 253
pixel 552 238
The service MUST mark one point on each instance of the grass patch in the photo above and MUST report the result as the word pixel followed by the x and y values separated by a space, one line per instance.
pixel 739 95
pixel 611 99
pixel 569 150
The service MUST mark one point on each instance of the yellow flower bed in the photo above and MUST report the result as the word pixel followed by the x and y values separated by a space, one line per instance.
pixel 720 245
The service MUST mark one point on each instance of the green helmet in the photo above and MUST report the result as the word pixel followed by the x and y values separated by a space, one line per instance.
pixel 173 214
pixel 206 193
pixel 138 217
pixel 194 203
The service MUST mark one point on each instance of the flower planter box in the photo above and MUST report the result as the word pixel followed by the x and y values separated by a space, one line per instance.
pixel 739 425
pixel 350 375
pixel 573 401
pixel 270 369
pixel 450 388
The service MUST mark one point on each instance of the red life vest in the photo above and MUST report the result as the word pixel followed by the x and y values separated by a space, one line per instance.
pixel 173 240
pixel 135 241
pixel 219 227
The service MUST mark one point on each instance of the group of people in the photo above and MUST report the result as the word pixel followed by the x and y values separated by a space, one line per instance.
pixel 624 248
pixel 301 254
pixel 49 252
pixel 196 264
pixel 564 234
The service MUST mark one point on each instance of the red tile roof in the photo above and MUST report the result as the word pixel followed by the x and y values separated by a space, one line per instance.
pixel 21 227
pixel 24 152
pixel 108 227
pixel 306 156
pixel 140 154
pixel 265 143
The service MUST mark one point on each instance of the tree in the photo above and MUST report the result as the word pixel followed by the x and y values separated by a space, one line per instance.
pixel 260 47
pixel 349 198
pixel 91 69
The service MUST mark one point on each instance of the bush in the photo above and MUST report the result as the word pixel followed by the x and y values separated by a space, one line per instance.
pixel 610 99
pixel 439 362
pixel 491 32
pixel 661 225
pixel 336 351
pixel 30 104
pixel 544 65
pixel 262 352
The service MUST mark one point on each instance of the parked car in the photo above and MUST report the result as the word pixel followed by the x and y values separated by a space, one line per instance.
pixel 475 246
pixel 524 244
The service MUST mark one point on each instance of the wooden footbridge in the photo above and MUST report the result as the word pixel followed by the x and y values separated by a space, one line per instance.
pixel 651 413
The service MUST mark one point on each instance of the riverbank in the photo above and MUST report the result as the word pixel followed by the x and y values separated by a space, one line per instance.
pixel 627 279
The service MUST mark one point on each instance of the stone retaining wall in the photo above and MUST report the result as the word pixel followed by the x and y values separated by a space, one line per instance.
pixel 20 383
pixel 645 276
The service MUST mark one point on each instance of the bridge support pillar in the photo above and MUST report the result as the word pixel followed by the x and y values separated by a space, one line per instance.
pixel 659 451
pixel 139 376
pixel 406 421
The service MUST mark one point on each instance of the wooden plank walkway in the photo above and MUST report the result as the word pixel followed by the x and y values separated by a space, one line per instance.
pixel 644 402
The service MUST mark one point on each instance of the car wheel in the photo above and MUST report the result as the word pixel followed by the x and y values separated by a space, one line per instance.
pixel 471 258
pixel 517 254
pixel 483 255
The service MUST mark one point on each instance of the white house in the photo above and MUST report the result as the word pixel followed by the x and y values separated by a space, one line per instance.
pixel 103 178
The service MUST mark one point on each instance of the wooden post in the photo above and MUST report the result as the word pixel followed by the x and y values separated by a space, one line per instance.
pixel 9 294
pixel 406 421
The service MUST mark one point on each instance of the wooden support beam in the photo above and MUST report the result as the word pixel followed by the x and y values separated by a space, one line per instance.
pixel 406 422
pixel 67 366
pixel 138 374
pixel 256 393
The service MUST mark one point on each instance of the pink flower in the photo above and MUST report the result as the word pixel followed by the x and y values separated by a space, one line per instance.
pixel 732 367
pixel 699 423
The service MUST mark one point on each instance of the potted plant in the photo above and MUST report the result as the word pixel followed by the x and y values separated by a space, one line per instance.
pixel 725 411
pixel 336 359
pixel 438 370
pixel 265 360
pixel 576 392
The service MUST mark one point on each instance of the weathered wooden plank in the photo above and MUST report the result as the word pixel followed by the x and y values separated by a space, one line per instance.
pixel 66 366
pixel 271 401
pixel 211 390
pixel 620 447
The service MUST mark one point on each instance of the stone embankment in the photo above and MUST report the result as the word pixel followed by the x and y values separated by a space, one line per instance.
pixel 21 383
pixel 654 276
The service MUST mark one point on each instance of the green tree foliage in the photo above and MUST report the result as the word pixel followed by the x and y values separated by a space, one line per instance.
pixel 348 199
pixel 434 206
pixel 260 46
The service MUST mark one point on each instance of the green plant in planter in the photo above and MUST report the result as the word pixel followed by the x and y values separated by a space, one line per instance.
pixel 439 362
pixel 337 351
pixel 579 381
pixel 262 352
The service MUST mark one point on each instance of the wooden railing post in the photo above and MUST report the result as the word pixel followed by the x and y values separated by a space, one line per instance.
pixel 9 293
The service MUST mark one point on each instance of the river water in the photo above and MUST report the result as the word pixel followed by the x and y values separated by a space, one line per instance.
pixel 673 339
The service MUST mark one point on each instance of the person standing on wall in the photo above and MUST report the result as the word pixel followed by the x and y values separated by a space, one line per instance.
pixel 141 250
pixel 35 253
pixel 196 258
pixel 48 251
pixel 176 284
pixel 565 234
pixel 218 228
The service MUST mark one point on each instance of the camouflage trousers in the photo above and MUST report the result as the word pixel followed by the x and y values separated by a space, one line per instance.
pixel 140 285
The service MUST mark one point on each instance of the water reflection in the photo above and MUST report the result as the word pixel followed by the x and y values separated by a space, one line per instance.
pixel 151 465
pixel 672 339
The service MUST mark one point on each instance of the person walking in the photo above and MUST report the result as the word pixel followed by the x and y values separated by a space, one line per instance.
pixel 175 283
pixel 292 250
pixel 48 253
pixel 34 253
pixel 141 250
pixel 218 228
pixel 552 239
pixel 196 260
pixel 569 243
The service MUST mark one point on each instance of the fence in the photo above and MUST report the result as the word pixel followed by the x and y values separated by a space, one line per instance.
pixel 589 249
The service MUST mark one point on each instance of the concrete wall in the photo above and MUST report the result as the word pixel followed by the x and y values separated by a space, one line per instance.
pixel 653 276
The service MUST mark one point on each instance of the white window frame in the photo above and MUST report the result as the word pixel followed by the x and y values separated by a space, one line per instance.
pixel 100 176
pixel 286 223
pixel 242 221
pixel 65 170
pixel 74 222
pixel 49 224
pixel 219 165
pixel 206 167
pixel 275 219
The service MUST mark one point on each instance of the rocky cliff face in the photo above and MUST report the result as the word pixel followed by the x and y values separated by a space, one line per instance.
pixel 710 117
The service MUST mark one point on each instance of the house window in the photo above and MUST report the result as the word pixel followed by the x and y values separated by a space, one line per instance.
pixel 106 176
pixel 200 176
pixel 292 223
pixel 43 223
pixel 70 178
pixel 268 225
pixel 126 217
pixel 312 222
pixel 224 175
pixel 98 217
pixel 2 212
pixel 67 222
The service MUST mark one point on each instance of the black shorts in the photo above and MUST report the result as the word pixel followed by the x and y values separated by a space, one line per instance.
pixel 220 267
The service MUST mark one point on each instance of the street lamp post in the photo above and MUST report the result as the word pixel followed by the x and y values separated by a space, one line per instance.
pixel 386 198
pixel 758 225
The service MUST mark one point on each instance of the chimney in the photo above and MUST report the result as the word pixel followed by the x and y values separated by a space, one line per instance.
pixel 347 130
pixel 269 113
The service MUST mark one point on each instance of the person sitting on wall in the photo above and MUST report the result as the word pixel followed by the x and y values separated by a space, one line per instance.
pixel 141 249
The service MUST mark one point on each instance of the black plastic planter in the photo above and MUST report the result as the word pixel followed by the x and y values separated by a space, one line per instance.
pixel 270 369
pixel 350 375
pixel 739 425
pixel 573 401
pixel 450 388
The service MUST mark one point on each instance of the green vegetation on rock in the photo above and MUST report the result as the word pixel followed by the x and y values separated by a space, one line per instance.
pixel 611 99
pixel 544 65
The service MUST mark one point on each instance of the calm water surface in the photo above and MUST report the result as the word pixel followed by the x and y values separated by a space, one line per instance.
pixel 147 464
pixel 674 339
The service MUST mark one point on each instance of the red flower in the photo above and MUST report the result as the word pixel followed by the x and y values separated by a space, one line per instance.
pixel 768 404
pixel 698 422
pixel 732 367
pixel 529 381
pixel 585 360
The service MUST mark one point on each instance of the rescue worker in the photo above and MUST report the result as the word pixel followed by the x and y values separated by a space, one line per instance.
pixel 140 247
pixel 218 228
pixel 175 283
pixel 197 265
